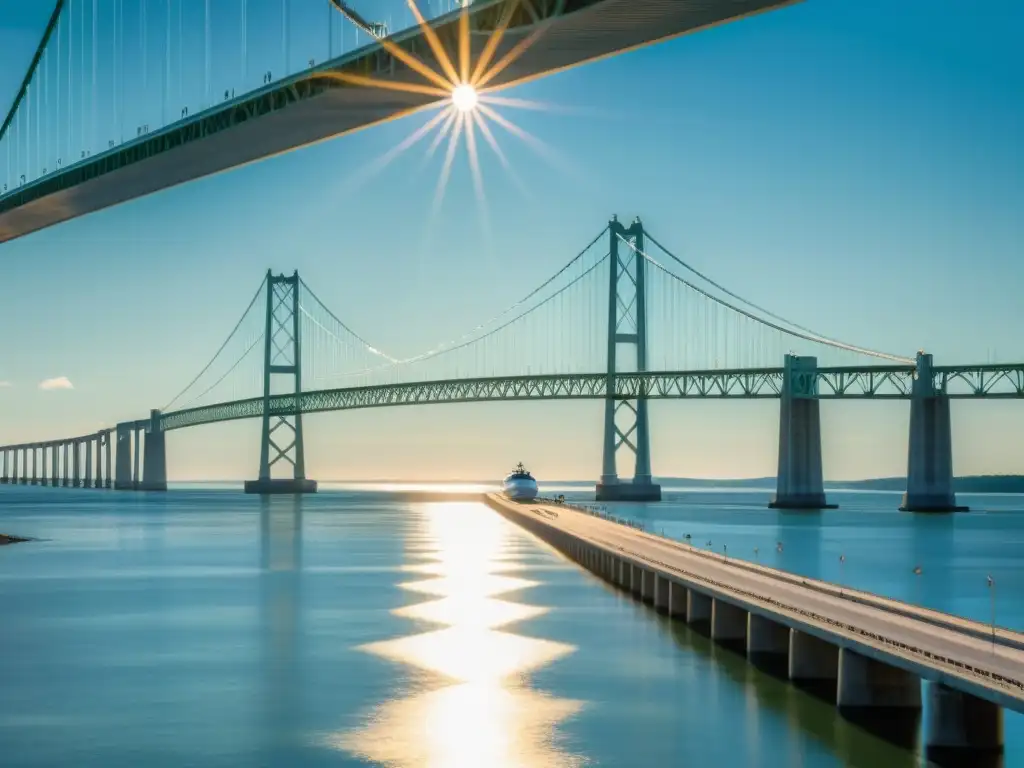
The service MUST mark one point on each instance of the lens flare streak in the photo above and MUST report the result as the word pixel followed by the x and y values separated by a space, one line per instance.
pixel 468 102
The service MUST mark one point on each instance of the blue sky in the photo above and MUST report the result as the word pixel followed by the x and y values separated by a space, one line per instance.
pixel 857 167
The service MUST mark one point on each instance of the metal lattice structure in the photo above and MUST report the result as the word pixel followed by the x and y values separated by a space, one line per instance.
pixel 625 418
pixel 282 356
pixel 870 383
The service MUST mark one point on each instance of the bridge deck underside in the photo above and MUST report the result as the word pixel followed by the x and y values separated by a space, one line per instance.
pixel 306 108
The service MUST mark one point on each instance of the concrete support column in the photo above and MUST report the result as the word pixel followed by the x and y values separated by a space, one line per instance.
pixel 123 458
pixel 930 447
pixel 14 466
pixel 35 477
pixel 154 464
pixel 960 724
pixel 698 607
pixel 799 484
pixel 136 477
pixel 66 473
pixel 110 467
pixel 636 576
pixel 676 600
pixel 88 462
pixel 728 622
pixel 99 460
pixel 76 462
pixel 661 586
pixel 766 639
pixel 866 682
pixel 647 578
pixel 55 464
pixel 812 659
pixel 3 466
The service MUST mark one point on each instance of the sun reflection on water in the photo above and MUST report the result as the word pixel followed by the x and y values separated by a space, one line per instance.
pixel 484 712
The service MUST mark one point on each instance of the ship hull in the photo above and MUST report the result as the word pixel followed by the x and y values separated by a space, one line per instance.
pixel 520 488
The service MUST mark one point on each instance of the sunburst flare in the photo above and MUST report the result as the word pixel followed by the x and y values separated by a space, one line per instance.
pixel 465 91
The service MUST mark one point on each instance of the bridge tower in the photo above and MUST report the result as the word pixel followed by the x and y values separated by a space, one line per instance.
pixel 282 356
pixel 625 421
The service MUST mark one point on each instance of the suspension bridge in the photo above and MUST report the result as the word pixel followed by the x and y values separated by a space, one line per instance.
pixel 624 322
pixel 124 98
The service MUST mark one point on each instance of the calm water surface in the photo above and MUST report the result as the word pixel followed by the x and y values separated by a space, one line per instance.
pixel 203 627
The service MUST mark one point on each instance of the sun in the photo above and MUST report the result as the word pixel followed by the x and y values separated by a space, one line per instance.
pixel 464 97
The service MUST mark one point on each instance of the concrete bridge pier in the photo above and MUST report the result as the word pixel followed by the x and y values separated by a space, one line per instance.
pixel 767 641
pixel 76 464
pixel 87 443
pixel 728 623
pixel 961 725
pixel 647 578
pixel 799 483
pixel 55 464
pixel 698 608
pixel 136 477
pixel 930 447
pixel 98 442
pixel 154 461
pixel 661 590
pixel 865 682
pixel 66 473
pixel 811 659
pixel 108 480
pixel 123 467
pixel 676 600
pixel 35 477
pixel 3 466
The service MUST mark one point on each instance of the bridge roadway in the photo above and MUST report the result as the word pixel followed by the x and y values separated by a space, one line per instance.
pixel 875 649
pixel 315 105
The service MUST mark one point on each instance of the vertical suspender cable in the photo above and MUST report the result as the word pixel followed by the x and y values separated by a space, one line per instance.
pixel 57 79
pixel 245 35
pixel 70 122
pixel 81 92
pixel 206 51
pixel 167 60
pixel 284 36
pixel 95 95
pixel 114 100
pixel 181 57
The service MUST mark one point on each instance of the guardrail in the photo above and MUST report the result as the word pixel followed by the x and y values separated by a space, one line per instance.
pixel 1002 636
pixel 1012 683
pixel 1013 686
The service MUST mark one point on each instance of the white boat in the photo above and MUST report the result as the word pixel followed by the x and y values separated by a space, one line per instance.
pixel 520 485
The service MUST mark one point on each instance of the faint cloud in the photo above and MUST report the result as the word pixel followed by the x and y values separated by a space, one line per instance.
pixel 5 384
pixel 60 382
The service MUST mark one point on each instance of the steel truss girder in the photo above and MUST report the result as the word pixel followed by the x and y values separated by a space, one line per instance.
pixel 847 383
